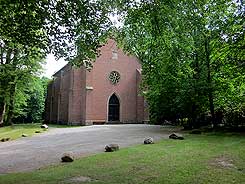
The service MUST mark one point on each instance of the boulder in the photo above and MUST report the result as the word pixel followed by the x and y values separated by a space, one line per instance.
pixel 111 147
pixel 176 136
pixel 24 135
pixel 148 140
pixel 44 126
pixel 38 131
pixel 67 157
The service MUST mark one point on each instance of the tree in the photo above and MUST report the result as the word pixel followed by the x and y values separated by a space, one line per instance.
pixel 33 109
pixel 185 47
pixel 66 28
pixel 31 29
pixel 17 68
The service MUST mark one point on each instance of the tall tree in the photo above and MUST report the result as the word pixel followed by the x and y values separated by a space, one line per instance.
pixel 18 67
pixel 31 29
pixel 34 96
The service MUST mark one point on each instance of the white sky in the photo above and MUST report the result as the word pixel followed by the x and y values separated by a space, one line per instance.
pixel 52 65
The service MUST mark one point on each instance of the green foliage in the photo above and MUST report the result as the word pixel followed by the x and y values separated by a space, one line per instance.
pixel 192 54
pixel 15 131
pixel 31 29
pixel 32 108
pixel 69 29
pixel 76 29
pixel 18 67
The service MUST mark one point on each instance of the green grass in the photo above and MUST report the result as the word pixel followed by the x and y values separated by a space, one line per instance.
pixel 15 131
pixel 196 160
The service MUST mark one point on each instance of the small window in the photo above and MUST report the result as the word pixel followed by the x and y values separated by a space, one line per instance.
pixel 114 54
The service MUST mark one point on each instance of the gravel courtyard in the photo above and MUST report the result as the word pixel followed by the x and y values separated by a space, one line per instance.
pixel 45 149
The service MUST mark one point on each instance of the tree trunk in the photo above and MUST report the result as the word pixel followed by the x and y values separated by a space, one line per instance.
pixel 10 106
pixel 9 113
pixel 211 107
pixel 209 81
pixel 2 113
pixel 196 76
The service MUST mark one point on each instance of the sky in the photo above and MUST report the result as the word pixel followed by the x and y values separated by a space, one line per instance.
pixel 52 65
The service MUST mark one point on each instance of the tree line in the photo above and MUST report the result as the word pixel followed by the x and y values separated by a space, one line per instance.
pixel 29 30
pixel 193 59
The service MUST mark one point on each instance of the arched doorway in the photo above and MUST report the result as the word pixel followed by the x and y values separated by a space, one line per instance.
pixel 113 108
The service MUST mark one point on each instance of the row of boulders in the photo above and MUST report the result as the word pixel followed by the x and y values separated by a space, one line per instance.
pixel 149 140
pixel 5 139
pixel 69 156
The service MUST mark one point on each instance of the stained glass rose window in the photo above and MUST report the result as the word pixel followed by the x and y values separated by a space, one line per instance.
pixel 114 77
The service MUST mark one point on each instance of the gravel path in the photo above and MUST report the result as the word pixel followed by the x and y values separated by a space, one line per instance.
pixel 45 149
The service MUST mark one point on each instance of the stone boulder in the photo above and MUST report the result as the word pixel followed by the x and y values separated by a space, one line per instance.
pixel 67 157
pixel 24 135
pixel 176 136
pixel 44 126
pixel 37 131
pixel 111 147
pixel 148 140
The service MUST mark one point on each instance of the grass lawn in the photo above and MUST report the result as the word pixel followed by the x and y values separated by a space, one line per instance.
pixel 16 131
pixel 199 159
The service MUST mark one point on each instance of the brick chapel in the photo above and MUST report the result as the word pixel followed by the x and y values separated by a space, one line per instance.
pixel 109 93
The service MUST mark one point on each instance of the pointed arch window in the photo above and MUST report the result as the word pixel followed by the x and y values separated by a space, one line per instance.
pixel 114 108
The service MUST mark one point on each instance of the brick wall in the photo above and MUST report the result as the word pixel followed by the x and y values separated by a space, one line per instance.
pixel 126 89
pixel 77 96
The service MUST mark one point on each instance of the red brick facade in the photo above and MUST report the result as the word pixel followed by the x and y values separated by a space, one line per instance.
pixel 77 96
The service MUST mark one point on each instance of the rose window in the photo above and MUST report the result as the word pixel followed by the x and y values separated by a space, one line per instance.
pixel 114 77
